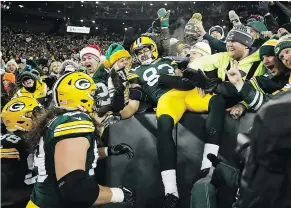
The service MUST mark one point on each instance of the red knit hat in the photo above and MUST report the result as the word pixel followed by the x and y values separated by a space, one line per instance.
pixel 91 49
pixel 9 76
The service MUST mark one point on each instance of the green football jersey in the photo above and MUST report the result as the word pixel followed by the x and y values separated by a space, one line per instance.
pixel 66 126
pixel 101 75
pixel 148 75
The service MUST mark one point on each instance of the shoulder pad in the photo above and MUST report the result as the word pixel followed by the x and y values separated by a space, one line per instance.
pixel 76 122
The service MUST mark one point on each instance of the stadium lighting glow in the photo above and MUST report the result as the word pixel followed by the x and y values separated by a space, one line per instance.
pixel 126 12
pixel 123 23
pixel 93 21
pixel 21 6
pixel 68 18
pixel 151 4
pixel 7 7
pixel 194 2
pixel 81 5
pixel 59 11
pixel 81 20
pixel 125 29
pixel 97 2
pixel 96 28
pixel 123 3
pixel 165 4
pixel 82 1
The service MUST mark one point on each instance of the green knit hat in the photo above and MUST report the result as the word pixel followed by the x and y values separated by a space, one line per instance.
pixel 284 42
pixel 268 48
pixel 258 26
pixel 114 53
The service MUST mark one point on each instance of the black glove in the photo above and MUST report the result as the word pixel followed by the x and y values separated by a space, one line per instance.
pixel 121 149
pixel 111 119
pixel 117 102
pixel 117 82
pixel 200 80
pixel 129 196
pixel 197 77
pixel 214 159
pixel 211 85
pixel 263 7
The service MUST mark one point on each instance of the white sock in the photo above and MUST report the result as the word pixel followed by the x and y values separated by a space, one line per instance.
pixel 170 182
pixel 208 148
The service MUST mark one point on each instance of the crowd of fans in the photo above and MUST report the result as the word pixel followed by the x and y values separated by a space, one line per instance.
pixel 245 70
pixel 18 44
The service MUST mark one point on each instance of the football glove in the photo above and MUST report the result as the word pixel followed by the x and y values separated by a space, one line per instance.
pixel 200 80
pixel 121 149
pixel 129 196
pixel 111 119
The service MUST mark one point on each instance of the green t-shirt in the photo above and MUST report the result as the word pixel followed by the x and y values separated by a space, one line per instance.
pixel 66 126
pixel 148 75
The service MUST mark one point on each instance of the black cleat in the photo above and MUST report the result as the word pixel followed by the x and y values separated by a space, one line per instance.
pixel 171 201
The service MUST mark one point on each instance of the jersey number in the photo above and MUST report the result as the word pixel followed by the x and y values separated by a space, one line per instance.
pixel 103 93
pixel 39 162
pixel 11 138
pixel 151 75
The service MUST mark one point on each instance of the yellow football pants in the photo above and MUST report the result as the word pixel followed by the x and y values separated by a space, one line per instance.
pixel 175 102
pixel 31 205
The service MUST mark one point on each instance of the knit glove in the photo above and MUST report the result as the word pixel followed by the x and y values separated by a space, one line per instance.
pixel 164 15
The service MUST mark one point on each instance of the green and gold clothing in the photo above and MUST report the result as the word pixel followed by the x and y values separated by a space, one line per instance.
pixel 40 91
pixel 169 101
pixel 148 75
pixel 66 126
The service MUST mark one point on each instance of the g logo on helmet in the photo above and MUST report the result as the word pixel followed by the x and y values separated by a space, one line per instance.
pixel 83 84
pixel 16 106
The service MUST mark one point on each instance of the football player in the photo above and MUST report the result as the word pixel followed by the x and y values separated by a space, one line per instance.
pixel 65 141
pixel 151 76
pixel 16 162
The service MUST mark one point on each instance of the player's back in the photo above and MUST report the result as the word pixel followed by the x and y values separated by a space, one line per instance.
pixel 65 126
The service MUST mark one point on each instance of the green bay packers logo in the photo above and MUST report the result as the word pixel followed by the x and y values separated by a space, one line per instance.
pixel 16 106
pixel 83 84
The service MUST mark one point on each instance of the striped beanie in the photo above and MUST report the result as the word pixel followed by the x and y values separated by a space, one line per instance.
pixel 268 48
pixel 241 34
pixel 284 42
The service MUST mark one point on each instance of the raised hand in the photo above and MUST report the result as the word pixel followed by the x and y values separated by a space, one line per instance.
pixel 121 149
pixel 234 76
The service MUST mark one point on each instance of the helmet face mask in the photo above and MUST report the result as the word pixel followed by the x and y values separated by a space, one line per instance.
pixel 17 114
pixel 74 90
pixel 144 55
pixel 145 50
